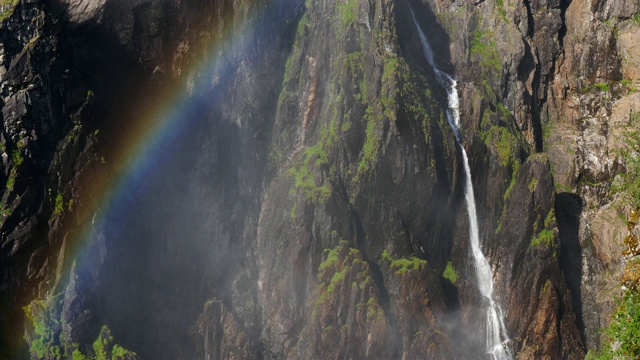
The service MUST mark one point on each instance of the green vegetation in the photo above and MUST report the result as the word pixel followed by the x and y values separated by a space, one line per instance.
pixel 332 258
pixel 450 273
pixel 403 265
pixel 370 147
pixel 16 158
pixel 630 186
pixel 507 193
pixel 512 183
pixel 105 349
pixel 623 333
pixel 120 353
pixel 545 237
pixel 11 180
pixel 504 111
pixel 101 343
pixel 304 178
pixel 58 207
pixel 502 141
pixel 348 12
pixel 599 86
pixel 48 339
pixel 46 330
pixel 501 11
pixel 340 263
pixel 483 47
pixel 636 18
pixel 375 114
pixel 77 355
pixel 6 8
pixel 532 184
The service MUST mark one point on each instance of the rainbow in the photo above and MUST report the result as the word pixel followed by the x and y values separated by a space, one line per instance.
pixel 170 114
pixel 139 150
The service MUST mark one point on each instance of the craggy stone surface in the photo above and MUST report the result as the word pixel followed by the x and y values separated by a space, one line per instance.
pixel 310 208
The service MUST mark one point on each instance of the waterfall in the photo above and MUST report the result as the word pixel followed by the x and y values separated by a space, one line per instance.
pixel 496 334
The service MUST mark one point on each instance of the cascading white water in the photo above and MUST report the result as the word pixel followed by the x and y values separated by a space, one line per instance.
pixel 496 334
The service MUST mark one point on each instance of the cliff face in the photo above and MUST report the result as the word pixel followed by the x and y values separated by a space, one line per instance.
pixel 308 201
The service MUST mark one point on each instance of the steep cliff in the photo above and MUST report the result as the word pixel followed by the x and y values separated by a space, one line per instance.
pixel 303 195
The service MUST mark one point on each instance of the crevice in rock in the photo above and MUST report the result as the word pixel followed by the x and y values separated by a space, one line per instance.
pixel 564 5
pixel 378 280
pixel 568 208
pixel 527 5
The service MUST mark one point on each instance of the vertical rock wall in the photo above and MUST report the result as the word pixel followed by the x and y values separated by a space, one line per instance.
pixel 313 205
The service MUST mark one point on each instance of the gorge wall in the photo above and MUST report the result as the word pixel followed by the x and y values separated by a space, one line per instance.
pixel 305 198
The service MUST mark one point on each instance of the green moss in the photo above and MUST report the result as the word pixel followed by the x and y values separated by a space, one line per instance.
pixel 100 346
pixel 374 310
pixel 59 205
pixel 502 141
pixel 599 86
pixel 338 263
pixel 504 111
pixel 483 47
pixel 532 184
pixel 630 185
pixel 120 353
pixel 11 181
pixel 450 273
pixel 77 355
pixel 403 265
pixel 376 113
pixel 545 237
pixel 46 329
pixel 16 158
pixel 48 341
pixel 501 11
pixel 370 147
pixel 512 183
pixel 304 178
pixel 348 12
pixel 623 333
pixel 338 278
pixel 6 8
pixel 330 261
pixel 550 220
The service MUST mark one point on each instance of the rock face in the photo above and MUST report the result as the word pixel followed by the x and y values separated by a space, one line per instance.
pixel 307 200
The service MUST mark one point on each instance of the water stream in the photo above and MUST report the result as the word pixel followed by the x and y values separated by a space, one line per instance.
pixel 496 334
